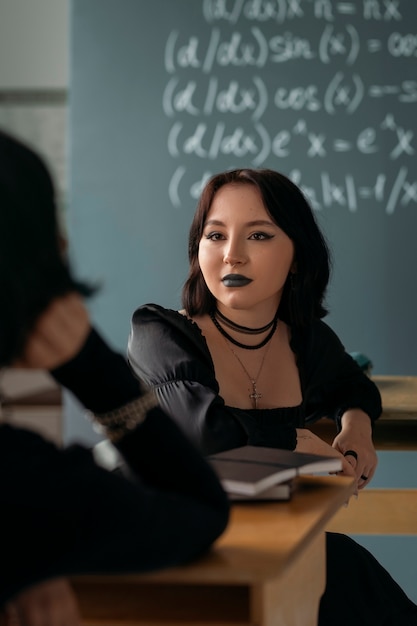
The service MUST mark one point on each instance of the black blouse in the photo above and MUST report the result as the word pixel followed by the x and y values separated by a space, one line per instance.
pixel 170 354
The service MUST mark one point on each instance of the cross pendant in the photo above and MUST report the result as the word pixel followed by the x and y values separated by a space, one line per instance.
pixel 255 395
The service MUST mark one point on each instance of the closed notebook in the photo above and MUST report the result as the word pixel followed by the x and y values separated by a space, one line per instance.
pixel 282 491
pixel 249 470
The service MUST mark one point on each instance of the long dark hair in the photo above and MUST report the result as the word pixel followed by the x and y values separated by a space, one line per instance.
pixel 304 291
pixel 33 269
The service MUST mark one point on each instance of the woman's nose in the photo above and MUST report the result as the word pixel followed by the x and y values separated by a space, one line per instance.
pixel 234 256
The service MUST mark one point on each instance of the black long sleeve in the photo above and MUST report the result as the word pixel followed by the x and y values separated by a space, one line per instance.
pixel 98 376
pixel 102 380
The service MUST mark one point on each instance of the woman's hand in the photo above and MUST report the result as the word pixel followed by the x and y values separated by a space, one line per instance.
pixel 50 603
pixel 310 443
pixel 355 442
pixel 58 334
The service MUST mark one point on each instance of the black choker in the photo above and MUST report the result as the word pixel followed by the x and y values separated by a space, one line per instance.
pixel 243 345
pixel 243 329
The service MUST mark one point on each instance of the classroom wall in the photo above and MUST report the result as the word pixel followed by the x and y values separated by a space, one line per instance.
pixel 34 79
pixel 34 44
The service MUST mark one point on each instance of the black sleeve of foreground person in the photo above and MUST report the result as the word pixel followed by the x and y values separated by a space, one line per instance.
pixel 158 452
pixel 98 376
pixel 66 515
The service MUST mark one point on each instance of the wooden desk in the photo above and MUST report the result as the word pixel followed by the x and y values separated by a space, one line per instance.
pixel 399 396
pixel 268 569
pixel 384 511
pixel 396 429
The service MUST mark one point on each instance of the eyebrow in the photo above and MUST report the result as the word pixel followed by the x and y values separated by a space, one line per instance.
pixel 250 224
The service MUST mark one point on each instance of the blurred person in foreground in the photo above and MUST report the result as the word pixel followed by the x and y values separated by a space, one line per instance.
pixel 62 514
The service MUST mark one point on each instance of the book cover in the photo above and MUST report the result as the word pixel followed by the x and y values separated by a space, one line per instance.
pixel 249 470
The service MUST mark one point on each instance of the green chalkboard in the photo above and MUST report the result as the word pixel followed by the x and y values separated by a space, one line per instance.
pixel 166 92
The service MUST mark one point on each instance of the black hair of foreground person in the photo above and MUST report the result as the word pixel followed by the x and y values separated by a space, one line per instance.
pixel 62 514
pixel 34 269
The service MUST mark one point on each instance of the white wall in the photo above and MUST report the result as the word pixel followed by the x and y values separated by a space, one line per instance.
pixel 34 44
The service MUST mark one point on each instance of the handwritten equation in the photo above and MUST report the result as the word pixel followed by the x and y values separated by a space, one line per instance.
pixel 255 49
pixel 329 192
pixel 253 96
pixel 232 11
pixel 209 141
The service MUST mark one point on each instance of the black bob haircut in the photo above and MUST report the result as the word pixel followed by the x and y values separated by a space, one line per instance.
pixel 33 268
pixel 303 296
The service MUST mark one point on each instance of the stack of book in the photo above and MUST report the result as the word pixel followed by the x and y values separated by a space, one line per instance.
pixel 258 473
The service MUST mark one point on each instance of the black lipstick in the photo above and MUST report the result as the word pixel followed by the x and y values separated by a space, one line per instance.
pixel 235 280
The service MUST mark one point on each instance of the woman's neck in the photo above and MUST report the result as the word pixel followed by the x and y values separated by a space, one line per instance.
pixel 257 317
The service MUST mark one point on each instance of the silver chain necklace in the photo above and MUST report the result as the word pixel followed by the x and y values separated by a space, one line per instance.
pixel 255 395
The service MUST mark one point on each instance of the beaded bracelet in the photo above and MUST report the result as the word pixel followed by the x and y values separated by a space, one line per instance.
pixel 119 422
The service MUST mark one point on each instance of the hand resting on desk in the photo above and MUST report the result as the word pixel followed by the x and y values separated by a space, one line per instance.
pixel 356 434
pixel 310 443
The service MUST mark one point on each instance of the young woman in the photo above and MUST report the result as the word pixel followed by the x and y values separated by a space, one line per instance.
pixel 60 513
pixel 250 361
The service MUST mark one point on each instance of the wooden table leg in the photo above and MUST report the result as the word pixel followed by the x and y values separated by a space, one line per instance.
pixel 294 599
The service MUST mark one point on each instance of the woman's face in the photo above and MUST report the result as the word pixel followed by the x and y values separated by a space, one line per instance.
pixel 244 256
